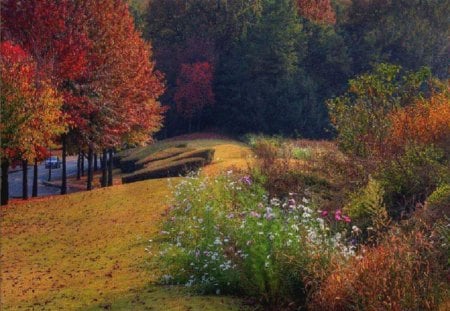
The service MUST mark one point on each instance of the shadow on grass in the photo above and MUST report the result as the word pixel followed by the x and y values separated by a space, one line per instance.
pixel 168 298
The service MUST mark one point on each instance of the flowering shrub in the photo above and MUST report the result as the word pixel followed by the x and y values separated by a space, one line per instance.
pixel 225 235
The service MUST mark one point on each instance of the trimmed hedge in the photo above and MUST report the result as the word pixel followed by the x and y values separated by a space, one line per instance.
pixel 129 159
pixel 161 155
pixel 168 169
pixel 206 154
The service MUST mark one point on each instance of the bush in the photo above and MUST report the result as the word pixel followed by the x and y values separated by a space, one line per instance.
pixel 226 236
pixel 161 155
pixel 362 115
pixel 301 153
pixel 206 154
pixel 168 169
pixel 366 207
pixel 438 203
pixel 129 158
pixel 403 273
pixel 412 177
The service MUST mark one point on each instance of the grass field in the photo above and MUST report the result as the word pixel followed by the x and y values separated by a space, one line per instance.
pixel 86 251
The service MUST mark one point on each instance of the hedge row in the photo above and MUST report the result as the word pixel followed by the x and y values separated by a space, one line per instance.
pixel 128 161
pixel 168 169
pixel 161 155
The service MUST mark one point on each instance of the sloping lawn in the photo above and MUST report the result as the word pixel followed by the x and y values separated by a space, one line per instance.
pixel 86 251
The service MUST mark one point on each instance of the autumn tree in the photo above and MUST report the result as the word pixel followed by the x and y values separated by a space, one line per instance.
pixel 93 54
pixel 320 11
pixel 54 34
pixel 194 89
pixel 123 86
pixel 30 110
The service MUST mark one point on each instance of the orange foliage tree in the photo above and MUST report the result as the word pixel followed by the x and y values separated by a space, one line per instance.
pixel 54 34
pixel 30 110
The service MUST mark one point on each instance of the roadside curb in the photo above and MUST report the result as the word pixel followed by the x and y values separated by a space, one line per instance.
pixel 49 184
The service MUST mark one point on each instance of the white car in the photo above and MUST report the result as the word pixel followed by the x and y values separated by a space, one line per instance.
pixel 52 162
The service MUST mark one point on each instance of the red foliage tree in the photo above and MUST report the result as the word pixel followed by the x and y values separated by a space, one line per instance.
pixel 194 89
pixel 320 11
pixel 123 84
pixel 54 33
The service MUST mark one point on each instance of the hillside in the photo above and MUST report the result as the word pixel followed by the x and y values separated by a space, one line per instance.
pixel 87 250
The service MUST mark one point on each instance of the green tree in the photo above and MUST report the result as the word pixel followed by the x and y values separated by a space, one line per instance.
pixel 411 33
pixel 256 81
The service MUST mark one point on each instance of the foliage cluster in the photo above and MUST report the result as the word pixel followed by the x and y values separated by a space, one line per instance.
pixel 398 124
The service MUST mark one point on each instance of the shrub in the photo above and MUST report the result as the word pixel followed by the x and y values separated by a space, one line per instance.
pixel 427 121
pixel 206 154
pixel 169 169
pixel 161 155
pixel 403 273
pixel 410 178
pixel 366 207
pixel 301 153
pixel 361 115
pixel 438 203
pixel 129 158
pixel 226 236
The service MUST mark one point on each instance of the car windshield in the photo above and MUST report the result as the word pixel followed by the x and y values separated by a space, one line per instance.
pixel 53 159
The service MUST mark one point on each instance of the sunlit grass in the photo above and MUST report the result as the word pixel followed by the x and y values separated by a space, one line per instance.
pixel 87 250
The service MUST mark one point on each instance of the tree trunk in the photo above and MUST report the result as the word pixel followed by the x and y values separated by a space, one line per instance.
pixel 79 165
pixel 50 172
pixel 82 163
pixel 25 179
pixel 104 168
pixel 199 119
pixel 5 185
pixel 95 162
pixel 110 168
pixel 35 179
pixel 64 166
pixel 89 172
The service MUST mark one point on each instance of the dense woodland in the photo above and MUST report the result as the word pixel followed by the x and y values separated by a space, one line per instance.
pixel 269 66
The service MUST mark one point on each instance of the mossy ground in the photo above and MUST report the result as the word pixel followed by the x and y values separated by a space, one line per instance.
pixel 86 251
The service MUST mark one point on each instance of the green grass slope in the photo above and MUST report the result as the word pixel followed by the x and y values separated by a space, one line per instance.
pixel 86 251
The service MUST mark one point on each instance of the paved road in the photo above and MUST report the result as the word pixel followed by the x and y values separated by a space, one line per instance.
pixel 15 179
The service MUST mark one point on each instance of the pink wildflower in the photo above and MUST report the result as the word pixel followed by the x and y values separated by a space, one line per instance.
pixel 338 215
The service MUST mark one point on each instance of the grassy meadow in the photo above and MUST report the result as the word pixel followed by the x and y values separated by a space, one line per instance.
pixel 86 251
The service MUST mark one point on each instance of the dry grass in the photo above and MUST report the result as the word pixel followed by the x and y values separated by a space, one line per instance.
pixel 402 273
pixel 87 250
